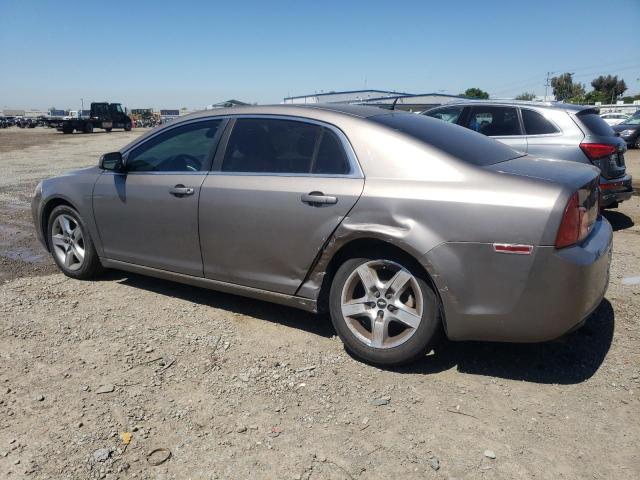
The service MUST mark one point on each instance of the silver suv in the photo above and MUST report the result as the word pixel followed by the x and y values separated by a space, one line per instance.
pixel 551 130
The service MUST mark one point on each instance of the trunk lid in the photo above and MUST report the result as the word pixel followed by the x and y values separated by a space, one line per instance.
pixel 580 180
pixel 571 174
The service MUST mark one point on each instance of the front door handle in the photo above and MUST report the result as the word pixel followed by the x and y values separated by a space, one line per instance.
pixel 318 198
pixel 181 191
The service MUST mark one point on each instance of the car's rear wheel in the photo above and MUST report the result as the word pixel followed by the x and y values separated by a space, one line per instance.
pixel 383 310
pixel 71 245
pixel 88 128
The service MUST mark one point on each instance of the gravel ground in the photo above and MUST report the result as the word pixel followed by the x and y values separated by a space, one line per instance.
pixel 94 376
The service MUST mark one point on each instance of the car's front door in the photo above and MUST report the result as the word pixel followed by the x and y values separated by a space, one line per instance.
pixel 501 123
pixel 276 195
pixel 149 214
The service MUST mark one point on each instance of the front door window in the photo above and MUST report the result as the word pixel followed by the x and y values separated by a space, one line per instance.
pixel 182 149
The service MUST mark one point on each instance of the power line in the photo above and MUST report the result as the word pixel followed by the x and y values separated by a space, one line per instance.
pixel 616 67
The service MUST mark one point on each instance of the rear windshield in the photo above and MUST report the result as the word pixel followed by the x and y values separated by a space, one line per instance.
pixel 594 123
pixel 459 142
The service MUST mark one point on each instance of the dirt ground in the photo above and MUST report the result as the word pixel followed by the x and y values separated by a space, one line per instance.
pixel 236 388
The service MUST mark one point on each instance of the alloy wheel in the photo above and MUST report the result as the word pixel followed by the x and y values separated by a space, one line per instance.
pixel 68 242
pixel 382 304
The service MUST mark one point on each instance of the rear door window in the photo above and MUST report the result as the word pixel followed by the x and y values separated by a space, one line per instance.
pixel 331 158
pixel 536 124
pixel 264 145
pixel 494 121
pixel 448 114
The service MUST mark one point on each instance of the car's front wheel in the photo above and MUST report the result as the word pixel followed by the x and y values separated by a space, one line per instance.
pixel 71 245
pixel 383 310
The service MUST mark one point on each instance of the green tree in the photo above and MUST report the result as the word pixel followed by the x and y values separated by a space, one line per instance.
pixel 564 88
pixel 610 87
pixel 630 99
pixel 595 96
pixel 475 93
pixel 526 96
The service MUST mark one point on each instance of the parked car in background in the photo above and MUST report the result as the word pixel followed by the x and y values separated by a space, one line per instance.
pixel 629 130
pixel 397 224
pixel 26 122
pixel 614 118
pixel 552 130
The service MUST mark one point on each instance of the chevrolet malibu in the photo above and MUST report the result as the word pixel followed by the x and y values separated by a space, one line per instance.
pixel 398 225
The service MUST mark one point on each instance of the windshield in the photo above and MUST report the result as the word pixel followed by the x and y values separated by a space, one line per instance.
pixel 459 142
pixel 635 120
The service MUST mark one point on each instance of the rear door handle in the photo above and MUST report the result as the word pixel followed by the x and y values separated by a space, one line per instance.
pixel 181 191
pixel 318 198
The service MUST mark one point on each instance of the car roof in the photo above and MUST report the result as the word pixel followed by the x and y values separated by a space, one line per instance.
pixel 522 103
pixel 327 112
pixel 303 110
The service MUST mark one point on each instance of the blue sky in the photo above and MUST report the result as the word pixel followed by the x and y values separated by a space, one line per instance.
pixel 191 53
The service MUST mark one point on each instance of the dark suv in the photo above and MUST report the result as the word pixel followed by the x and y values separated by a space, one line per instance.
pixel 550 130
pixel 629 130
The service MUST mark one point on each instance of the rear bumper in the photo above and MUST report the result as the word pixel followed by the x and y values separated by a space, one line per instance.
pixel 615 190
pixel 520 298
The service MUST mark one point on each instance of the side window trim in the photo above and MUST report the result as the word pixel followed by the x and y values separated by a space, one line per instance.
pixel 210 156
pixel 356 170
pixel 316 149
pixel 558 131
pixel 464 116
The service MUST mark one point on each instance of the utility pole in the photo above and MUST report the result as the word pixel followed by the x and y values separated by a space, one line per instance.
pixel 546 86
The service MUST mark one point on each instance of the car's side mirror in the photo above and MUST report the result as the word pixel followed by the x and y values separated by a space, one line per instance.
pixel 112 162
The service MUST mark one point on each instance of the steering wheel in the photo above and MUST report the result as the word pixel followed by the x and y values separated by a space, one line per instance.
pixel 191 163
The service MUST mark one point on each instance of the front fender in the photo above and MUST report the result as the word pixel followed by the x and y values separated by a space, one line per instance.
pixel 75 189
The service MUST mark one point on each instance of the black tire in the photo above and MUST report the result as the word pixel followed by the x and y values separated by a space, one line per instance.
pixel 127 127
pixel 91 265
pixel 67 129
pixel 88 127
pixel 415 346
pixel 108 130
pixel 637 144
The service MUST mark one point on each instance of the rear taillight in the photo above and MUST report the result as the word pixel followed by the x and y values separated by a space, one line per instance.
pixel 575 224
pixel 596 151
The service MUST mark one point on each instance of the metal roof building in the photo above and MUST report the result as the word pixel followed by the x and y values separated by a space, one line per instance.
pixel 351 96
pixel 378 98
pixel 412 103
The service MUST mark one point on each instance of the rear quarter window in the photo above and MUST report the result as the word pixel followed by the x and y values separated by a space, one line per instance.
pixel 536 124
pixel 459 142
pixel 594 123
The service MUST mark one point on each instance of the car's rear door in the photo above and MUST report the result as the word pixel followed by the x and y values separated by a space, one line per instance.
pixel 149 215
pixel 278 191
pixel 544 137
